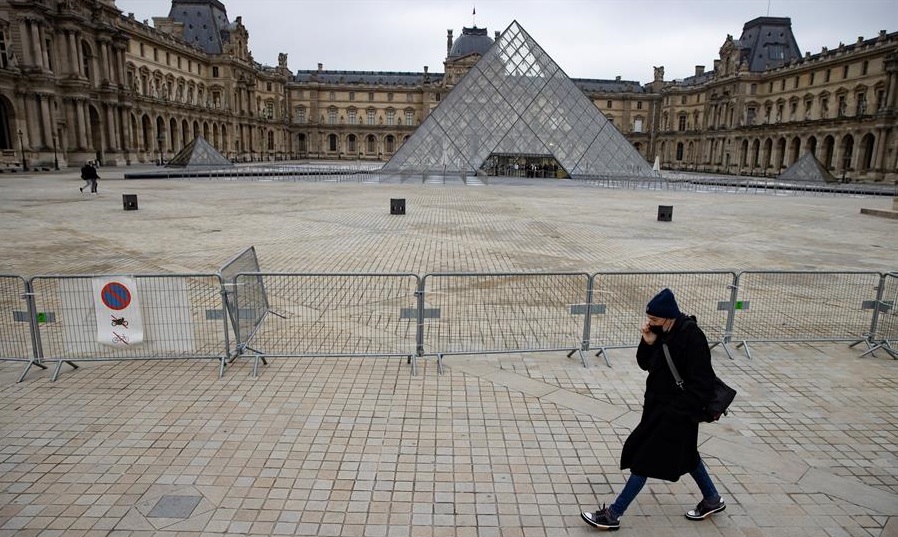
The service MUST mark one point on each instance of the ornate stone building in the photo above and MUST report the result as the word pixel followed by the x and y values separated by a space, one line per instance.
pixel 79 80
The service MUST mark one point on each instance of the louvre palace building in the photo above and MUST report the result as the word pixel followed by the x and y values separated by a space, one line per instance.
pixel 80 80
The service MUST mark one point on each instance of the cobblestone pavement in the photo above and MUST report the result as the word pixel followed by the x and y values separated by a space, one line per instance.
pixel 508 445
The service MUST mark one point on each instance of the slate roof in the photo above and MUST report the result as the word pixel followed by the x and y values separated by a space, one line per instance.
pixel 205 23
pixel 768 43
pixel 471 41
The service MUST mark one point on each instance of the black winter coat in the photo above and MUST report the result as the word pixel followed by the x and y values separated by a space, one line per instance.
pixel 665 443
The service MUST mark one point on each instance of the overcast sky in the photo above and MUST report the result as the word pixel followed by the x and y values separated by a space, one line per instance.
pixel 587 38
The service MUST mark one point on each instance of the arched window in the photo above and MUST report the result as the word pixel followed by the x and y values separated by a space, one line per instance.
pixel 331 142
pixel 271 140
pixel 301 143
pixel 390 143
pixel 350 143
pixel 680 151
pixel 371 144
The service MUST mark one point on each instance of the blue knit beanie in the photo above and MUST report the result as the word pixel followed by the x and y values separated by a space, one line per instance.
pixel 663 305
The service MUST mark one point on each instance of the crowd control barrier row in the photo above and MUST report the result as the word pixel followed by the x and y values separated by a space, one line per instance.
pixel 71 319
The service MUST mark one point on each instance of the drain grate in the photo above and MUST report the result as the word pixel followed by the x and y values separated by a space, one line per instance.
pixel 174 506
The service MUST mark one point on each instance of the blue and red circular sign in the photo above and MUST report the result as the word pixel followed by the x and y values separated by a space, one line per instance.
pixel 115 296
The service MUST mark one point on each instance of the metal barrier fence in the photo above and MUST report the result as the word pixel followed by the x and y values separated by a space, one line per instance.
pixel 804 306
pixel 183 317
pixel 619 300
pixel 255 302
pixel 885 324
pixel 495 313
pixel 59 319
pixel 17 328
pixel 332 314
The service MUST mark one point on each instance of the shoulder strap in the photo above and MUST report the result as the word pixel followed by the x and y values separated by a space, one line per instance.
pixel 673 368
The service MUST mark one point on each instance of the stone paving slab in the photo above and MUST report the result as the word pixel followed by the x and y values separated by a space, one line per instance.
pixel 498 445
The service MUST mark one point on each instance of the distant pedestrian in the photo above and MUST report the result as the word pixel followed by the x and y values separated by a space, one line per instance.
pixel 86 172
pixel 664 445
pixel 89 173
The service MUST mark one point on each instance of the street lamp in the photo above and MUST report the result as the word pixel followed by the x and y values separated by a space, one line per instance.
pixel 22 148
pixel 55 157
pixel 159 139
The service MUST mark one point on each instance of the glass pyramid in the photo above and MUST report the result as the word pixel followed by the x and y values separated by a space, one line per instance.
pixel 807 168
pixel 199 153
pixel 517 101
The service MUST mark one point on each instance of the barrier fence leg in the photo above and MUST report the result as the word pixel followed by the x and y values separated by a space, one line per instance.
pixel 28 366
pixel 440 364
pixel 604 354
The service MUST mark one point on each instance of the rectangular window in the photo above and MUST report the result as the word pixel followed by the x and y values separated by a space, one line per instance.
pixel 807 109
pixel 610 105
pixel 370 96
pixel 753 90
pixel 683 100
pixel 390 97
pixel 155 55
pixel 179 63
pixel 391 117
pixel 811 81
pixel 841 111
pixel 861 104
pixel 214 71
pixel 409 97
pixel 301 115
pixel 268 86
pixel 750 114
pixel 436 97
pixel 639 105
pixel 142 51
pixel 864 67
pixel 827 75
pixel 409 117
pixel 783 84
pixel 351 95
pixel 332 96
pixel 353 117
pixel 795 84
pixel 332 116
pixel 371 117
pixel 681 126
pixel 269 110
pixel 167 58
pixel 637 125
pixel 844 72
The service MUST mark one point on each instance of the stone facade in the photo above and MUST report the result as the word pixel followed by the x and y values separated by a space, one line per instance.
pixel 79 80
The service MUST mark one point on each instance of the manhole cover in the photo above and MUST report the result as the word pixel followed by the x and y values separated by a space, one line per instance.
pixel 174 506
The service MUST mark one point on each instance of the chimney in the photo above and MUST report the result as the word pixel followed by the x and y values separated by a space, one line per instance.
pixel 617 78
pixel 448 42
pixel 425 69
pixel 699 70
pixel 498 34
pixel 320 67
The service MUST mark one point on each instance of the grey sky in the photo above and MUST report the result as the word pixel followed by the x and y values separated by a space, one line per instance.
pixel 587 38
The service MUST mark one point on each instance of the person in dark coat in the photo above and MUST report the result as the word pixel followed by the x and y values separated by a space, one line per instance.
pixel 664 445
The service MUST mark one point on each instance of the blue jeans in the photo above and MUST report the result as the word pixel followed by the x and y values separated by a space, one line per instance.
pixel 636 482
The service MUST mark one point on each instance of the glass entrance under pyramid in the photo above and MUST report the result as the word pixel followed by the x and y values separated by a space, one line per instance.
pixel 517 104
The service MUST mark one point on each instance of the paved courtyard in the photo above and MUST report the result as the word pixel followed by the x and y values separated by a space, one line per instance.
pixel 509 445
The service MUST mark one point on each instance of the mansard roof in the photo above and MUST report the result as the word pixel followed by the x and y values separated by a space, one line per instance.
pixel 471 41
pixel 205 23
pixel 768 43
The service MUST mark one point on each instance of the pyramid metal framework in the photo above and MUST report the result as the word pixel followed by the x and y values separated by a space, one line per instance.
pixel 517 101
pixel 199 153
pixel 807 168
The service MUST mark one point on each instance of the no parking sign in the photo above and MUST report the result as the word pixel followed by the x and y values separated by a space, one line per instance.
pixel 119 322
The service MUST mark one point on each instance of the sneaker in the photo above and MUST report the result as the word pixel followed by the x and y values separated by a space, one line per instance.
pixel 704 509
pixel 603 519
